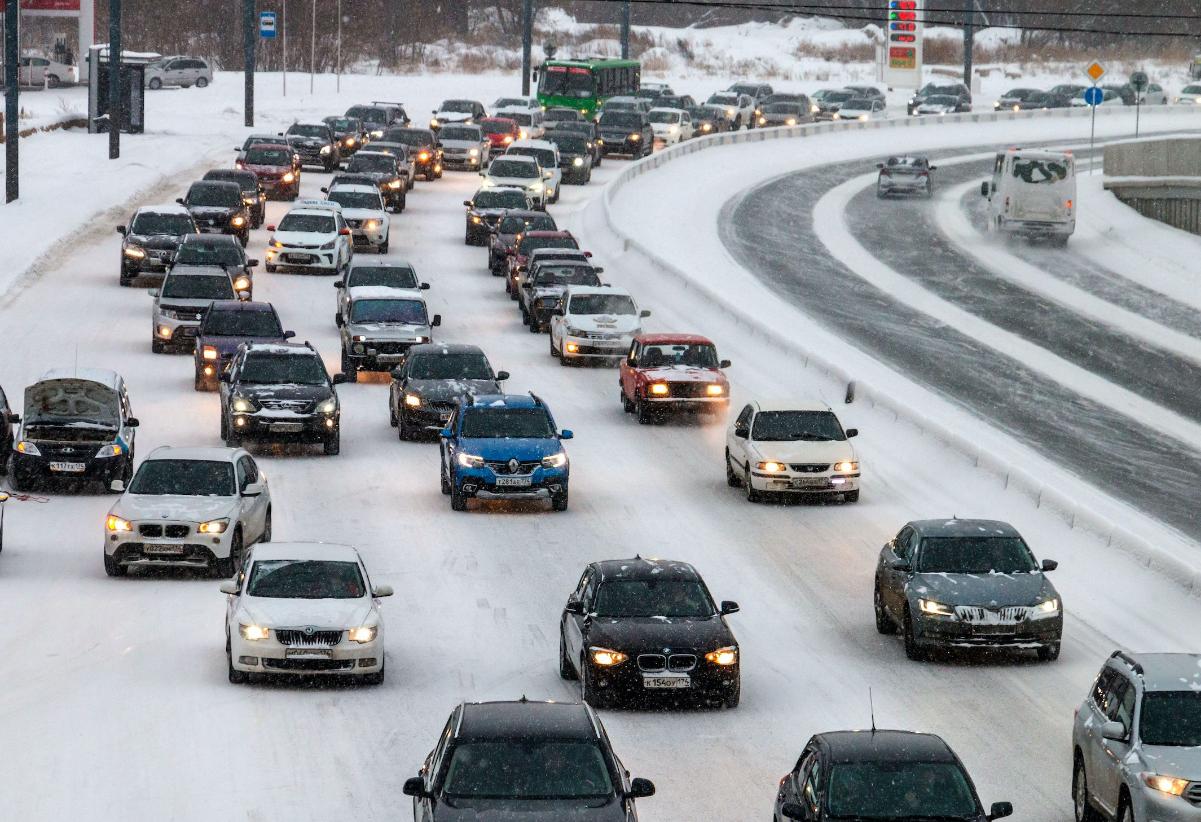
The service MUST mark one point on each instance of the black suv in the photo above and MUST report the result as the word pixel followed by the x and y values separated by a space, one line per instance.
pixel 484 210
pixel 218 208
pixel 315 143
pixel 636 628
pixel 350 132
pixel 6 432
pixel 151 240
pixel 575 156
pixel 384 173
pixel 880 775
pixel 587 129
pixel 253 194
pixel 425 155
pixel 379 116
pixel 427 386
pixel 626 132
pixel 524 760
pixel 219 250
pixel 281 393
pixel 545 281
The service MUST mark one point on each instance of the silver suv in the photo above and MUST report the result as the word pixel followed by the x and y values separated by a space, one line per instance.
pixel 180 304
pixel 1137 741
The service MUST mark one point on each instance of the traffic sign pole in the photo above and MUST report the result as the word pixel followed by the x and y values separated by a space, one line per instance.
pixel 248 48
pixel 1093 96
pixel 1139 82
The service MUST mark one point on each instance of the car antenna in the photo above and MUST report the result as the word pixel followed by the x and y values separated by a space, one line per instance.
pixel 871 706
pixel 77 359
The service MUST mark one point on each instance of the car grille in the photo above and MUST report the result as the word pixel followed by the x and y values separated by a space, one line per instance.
pixel 600 335
pixel 182 313
pixel 1193 793
pixel 301 638
pixel 294 246
pixel 976 615
pixel 656 663
pixel 308 664
pixel 355 223
pixel 522 467
pixel 299 406
pixel 810 467
pixel 687 390
pixel 390 347
pixel 156 529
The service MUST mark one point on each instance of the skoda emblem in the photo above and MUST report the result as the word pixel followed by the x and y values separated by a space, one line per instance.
pixel 309 630
pixel 514 465
pixel 667 650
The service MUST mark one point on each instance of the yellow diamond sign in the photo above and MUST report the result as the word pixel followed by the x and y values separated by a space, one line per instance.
pixel 1095 70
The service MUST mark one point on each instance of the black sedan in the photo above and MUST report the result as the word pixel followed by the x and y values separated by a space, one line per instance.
pixel 575 157
pixel 484 211
pixel 966 583
pixel 151 240
pixel 636 628
pixel 218 208
pixel 253 194
pixel 587 129
pixel 428 385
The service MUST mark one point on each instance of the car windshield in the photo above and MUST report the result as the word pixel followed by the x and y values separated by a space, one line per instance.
pixel 313 223
pixel 521 118
pixel 368 114
pixel 838 97
pixel 745 88
pixel 405 312
pixel 343 123
pixel 536 222
pixel 204 254
pixel 309 131
pixel 500 198
pixel 357 199
pixel 278 369
pixel 900 790
pixel 450 366
pixel 469 133
pixel 672 598
pixel 694 355
pixel 519 423
pixel 566 81
pixel 372 163
pixel 172 224
pixel 185 478
pixel 570 144
pixel 410 137
pixel 198 287
pixel 1018 94
pixel 459 106
pixel 797 426
pixel 566 275
pixel 942 100
pixel 241 324
pixel 585 304
pixel 268 157
pixel 506 102
pixel 575 126
pixel 664 117
pixel 1191 90
pixel 559 115
pixel 621 119
pixel 305 579
pixel 975 555
pixel 723 99
pixel 544 156
pixel 858 103
pixel 393 276
pixel 530 244
pixel 226 195
pixel 513 168
pixel 782 108
pixel 246 180
pixel 528 768
pixel 504 126
pixel 1040 171
pixel 1171 718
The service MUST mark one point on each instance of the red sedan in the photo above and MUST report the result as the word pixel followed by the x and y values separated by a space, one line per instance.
pixel 500 131
pixel 666 373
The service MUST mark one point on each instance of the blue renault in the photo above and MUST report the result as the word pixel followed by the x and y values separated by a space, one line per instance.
pixel 504 446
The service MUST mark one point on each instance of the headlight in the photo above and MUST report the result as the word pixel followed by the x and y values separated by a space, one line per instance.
pixel 165 331
pixel 113 449
pixel 213 526
pixel 863 117
pixel 371 225
pixel 377 133
pixel 412 400
pixel 932 608
pixel 573 332
pixel 814 109
pixel 660 389
pixel 475 152
pixel 836 116
pixel 723 656
pixel 250 200
pixel 790 121
pixel 535 187
pixel 27 447
pixel 238 221
pixel 350 141
pixel 554 461
pixel 116 523
pixel 846 466
pixel 508 139
pixel 772 467
pixel 1046 608
pixel 476 220
pixel 325 149
pixel 470 460
pixel 715 390
pixel 275 243
pixel 706 127
pixel 1172 785
pixel 423 156
pixel 762 121
pixel 209 352
pixel 241 405
pixel 394 184
pixel 673 129
pixel 330 244
pixel 577 162
pixel 606 658
pixel 635 137
pixel 362 634
pixel 327 406
pixel 288 177
pixel 135 252
pixel 434 123
pixel 253 633
pixel 730 112
pixel 240 284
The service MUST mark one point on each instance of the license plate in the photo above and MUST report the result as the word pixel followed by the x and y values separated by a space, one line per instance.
pixel 298 258
pixel 309 653
pixel 810 482
pixel 287 427
pixel 994 630
pixel 681 681
pixel 164 550
pixel 72 467
pixel 512 482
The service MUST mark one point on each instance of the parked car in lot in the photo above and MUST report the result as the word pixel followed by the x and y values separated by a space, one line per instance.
pixel 188 508
pixel 1062 94
pixel 77 426
pixel 486 207
pixel 225 326
pixel 178 70
pixel 957 90
pixel 1013 99
pixel 673 373
pixel 277 168
pixel 218 208
pixel 363 210
pixel 966 583
pixel 596 324
pixel 905 174
pixel 560 764
pixel 1109 97
pixel 310 239
pixel 180 303
pixel 253 195
pixel 791 448
pixel 1189 95
pixel 38 71
pixel 431 382
pixel 638 629
pixel 379 325
pixel 288 589
pixel 464 146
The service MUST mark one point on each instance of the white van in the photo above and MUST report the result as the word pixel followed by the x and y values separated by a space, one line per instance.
pixel 1033 193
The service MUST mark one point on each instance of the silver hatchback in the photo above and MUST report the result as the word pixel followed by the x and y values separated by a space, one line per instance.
pixel 1136 741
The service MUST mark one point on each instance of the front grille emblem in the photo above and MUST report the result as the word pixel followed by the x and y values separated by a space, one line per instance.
pixel 513 466
pixel 309 630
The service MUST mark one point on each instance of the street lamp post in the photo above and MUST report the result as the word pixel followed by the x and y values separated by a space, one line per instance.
pixel 339 87
pixel 313 49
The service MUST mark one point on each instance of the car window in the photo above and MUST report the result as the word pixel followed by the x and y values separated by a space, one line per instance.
pixel 903 547
pixel 1119 694
pixel 900 789
pixel 793 426
pixel 811 787
pixel 306 579
pixel 528 768
pixel 406 312
pixel 392 276
pixel 315 223
pixel 517 423
pixel 598 304
pixel 190 478
pixel 198 287
pixel 269 368
pixel 241 324
pixel 243 481
pixel 975 555
pixel 645 598
pixel 513 168
pixel 1171 718
pixel 1102 688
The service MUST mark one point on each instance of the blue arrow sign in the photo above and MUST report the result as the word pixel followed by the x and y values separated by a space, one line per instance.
pixel 267 25
pixel 1093 96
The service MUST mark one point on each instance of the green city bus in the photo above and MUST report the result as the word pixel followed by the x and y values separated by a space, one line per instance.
pixel 586 84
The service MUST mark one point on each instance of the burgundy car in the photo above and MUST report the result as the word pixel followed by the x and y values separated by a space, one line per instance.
pixel 277 168
pixel 226 325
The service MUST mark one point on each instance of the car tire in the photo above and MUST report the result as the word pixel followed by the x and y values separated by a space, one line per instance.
pixel 558 502
pixel 567 671
pixel 751 494
pixel 644 412
pixel 236 677
pixel 732 478
pixel 626 404
pixel 332 446
pixel 126 279
pixel 1082 806
pixel 1049 653
pixel 880 193
pixel 202 82
pixel 155 83
pixel 444 481
pixel 534 326
pixel 525 315
pixel 225 568
pixel 913 650
pixel 458 501
pixel 734 697
pixel 851 496
pixel 884 623
pixel 348 366
pixel 157 347
pixel 113 568
pixel 589 692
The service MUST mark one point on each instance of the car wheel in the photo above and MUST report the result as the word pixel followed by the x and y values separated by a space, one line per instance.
pixel 236 677
pixel 879 193
pixel 558 502
pixel 332 446
pixel 589 692
pixel 1082 806
pixel 751 494
pixel 912 649
pixel 645 413
pixel 626 405
pixel 734 697
pixel 126 279
pixel 445 481
pixel 851 496
pixel 113 568
pixel 1049 653
pixel 155 83
pixel 732 478
pixel 348 366
pixel 202 82
pixel 458 500
pixel 266 535
pixel 227 567
pixel 157 347
pixel 884 624
pixel 403 431
pixel 566 669
pixel 525 315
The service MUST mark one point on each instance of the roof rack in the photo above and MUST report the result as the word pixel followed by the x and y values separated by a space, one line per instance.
pixel 385 103
pixel 459 724
pixel 537 400
pixel 1129 660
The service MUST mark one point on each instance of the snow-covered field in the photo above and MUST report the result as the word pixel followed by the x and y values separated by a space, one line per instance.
pixel 114 703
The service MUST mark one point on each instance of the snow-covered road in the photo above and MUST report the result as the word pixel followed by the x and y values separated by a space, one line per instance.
pixel 113 699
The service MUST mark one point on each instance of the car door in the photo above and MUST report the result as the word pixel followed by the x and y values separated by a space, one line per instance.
pixel 738 440
pixel 575 625
pixel 254 509
pixel 893 580
pixel 627 377
pixel 1106 779
pixel 423 808
pixel 1090 728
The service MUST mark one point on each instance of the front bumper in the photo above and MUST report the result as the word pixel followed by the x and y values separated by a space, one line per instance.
pixel 792 482
pixel 381 355
pixel 427 416
pixel 671 404
pixel 303 259
pixel 908 185
pixel 157 260
pixel 275 186
pixel 95 469
pixel 269 656
pixel 482 483
pixel 955 633
pixel 462 160
pixel 585 348
pixel 283 427
pixel 368 239
pixel 628 681
pixel 175 333
pixel 189 549
pixel 621 145
pixel 1155 806
pixel 314 157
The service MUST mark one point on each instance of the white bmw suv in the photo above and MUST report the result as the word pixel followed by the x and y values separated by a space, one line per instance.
pixel 189 508
pixel 311 237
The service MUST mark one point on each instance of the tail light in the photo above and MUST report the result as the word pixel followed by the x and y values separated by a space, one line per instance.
pixel 923 174
pixel 1069 205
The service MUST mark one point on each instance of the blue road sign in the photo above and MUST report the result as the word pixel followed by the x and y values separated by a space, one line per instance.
pixel 267 25
pixel 1094 95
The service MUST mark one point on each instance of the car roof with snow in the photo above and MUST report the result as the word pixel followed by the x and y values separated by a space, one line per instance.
pixel 231 306
pixel 673 339
pixel 382 292
pixel 359 188
pixel 1164 671
pixel 955 527
pixel 791 405
pixel 315 212
pixel 283 349
pixel 330 551
pixel 503 401
pixel 97 375
pixel 668 109
pixel 884 746
pixel 165 208
pixel 517 158
pixel 197 271
pixel 576 290
pixel 545 145
pixel 907 160
pixel 442 348
pixel 313 202
pixel 639 568
pixel 196 452
pixel 526 719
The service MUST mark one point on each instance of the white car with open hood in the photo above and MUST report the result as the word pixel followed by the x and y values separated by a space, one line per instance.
pixel 304 608
pixel 596 323
pixel 190 508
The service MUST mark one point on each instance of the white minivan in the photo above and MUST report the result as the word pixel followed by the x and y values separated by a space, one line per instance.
pixel 1032 193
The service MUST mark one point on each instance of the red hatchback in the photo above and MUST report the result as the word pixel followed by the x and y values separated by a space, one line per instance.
pixel 672 373
pixel 500 131
pixel 276 167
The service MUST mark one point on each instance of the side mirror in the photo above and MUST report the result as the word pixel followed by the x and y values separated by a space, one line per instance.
pixel 588 254
pixel 325 189
pixel 253 489
pixel 425 286
pixel 574 606
pixel 900 564
pixel 14 417
pixel 338 320
pixel 467 203
pixel 270 227
pixel 729 607
pixel 436 321
pixel 598 269
pixel 646 312
pixel 153 292
pixel 742 433
pixel 1000 810
pixel 566 434
pixel 339 379
pixel 116 486
pixel 180 200
pixel 445 433
pixel 224 376
pixel 121 230
pixel 252 263
pixel 339 283
pixel 724 364
pixel 1049 565
pixel 984 188
pixel 879 165
pixel 415 786
pixel 852 433
pixel 289 335
pixel 229 586
pixel 792 810
pixel 501 376
pixel 132 422
pixel 935 168
pixel 641 788
pixel 382 591
pixel 344 232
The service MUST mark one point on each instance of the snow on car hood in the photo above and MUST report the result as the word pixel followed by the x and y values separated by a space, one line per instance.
pixel 989 590
pixel 305 238
pixel 612 323
pixel 1181 762
pixel 298 613
pixel 364 214
pixel 653 634
pixel 805 451
pixel 136 507
pixel 399 332
pixel 502 449
pixel 446 390
pixel 607 809
pixel 682 373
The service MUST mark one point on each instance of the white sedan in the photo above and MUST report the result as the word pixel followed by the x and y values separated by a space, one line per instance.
pixel 304 608
pixel 1189 95
pixel 791 448
pixel 190 508
pixel 311 237
pixel 363 210
pixel 597 323
pixel 670 125
pixel 519 171
pixel 867 108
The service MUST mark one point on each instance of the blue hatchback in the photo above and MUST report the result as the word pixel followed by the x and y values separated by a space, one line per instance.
pixel 504 446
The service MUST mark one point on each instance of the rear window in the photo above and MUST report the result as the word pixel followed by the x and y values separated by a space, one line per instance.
pixel 1040 171
pixel 392 276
